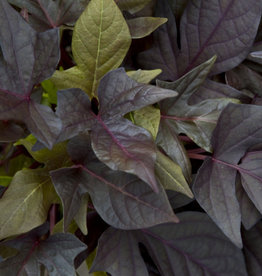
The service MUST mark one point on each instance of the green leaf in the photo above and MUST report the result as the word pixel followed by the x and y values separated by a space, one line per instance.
pixel 80 217
pixel 26 202
pixel 55 158
pixel 5 180
pixel 170 175
pixel 148 118
pixel 51 90
pixel 144 76
pixel 143 26
pixel 132 6
pixel 100 42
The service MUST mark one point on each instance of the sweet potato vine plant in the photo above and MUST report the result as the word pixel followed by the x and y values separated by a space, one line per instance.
pixel 131 137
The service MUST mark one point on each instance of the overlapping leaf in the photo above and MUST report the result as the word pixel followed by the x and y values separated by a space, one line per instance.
pixel 116 141
pixel 100 42
pixel 121 199
pixel 207 28
pixel 196 121
pixel 193 247
pixel 27 59
pixel 252 240
pixel 239 128
pixel 143 26
pixel 56 253
pixel 47 14
pixel 132 6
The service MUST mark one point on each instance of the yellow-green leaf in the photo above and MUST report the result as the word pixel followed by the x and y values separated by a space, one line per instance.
pixel 71 78
pixel 89 262
pixel 53 159
pixel 101 39
pixel 143 26
pixel 5 180
pixel 148 118
pixel 170 175
pixel 59 227
pixel 144 76
pixel 51 90
pixel 26 202
pixel 132 6
pixel 80 217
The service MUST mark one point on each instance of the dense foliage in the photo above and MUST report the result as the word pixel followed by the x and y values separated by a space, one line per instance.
pixel 131 137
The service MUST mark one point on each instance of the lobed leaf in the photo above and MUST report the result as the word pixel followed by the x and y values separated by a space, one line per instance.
pixel 49 14
pixel 56 253
pixel 195 246
pixel 238 129
pixel 110 191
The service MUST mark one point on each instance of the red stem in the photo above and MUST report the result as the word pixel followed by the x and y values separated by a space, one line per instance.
pixel 52 217
pixel 197 156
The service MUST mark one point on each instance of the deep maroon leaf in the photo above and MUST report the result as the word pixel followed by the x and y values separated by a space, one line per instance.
pixel 121 199
pixel 207 28
pixel 47 14
pixel 251 176
pixel 164 53
pixel 27 59
pixel 249 213
pixel 193 247
pixel 239 128
pixel 11 132
pixel 252 240
pixel 56 253
pixel 116 141
pixel 119 94
pixel 226 29
pixel 196 121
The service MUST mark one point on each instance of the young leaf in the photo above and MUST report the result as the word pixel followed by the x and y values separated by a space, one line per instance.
pixel 196 121
pixel 100 42
pixel 26 60
pixel 110 191
pixel 47 14
pixel 170 175
pixel 195 246
pixel 26 202
pixel 56 253
pixel 238 129
pixel 121 145
pixel 148 118
pixel 252 240
pixel 143 76
pixel 143 26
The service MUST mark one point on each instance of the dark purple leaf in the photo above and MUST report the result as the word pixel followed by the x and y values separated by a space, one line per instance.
pixel 226 29
pixel 56 253
pixel 243 78
pixel 212 90
pixel 251 176
pixel 164 53
pixel 207 28
pixel 27 59
pixel 126 147
pixel 252 240
pixel 239 128
pixel 168 140
pixel 119 94
pixel 116 141
pixel 196 121
pixel 193 247
pixel 249 213
pixel 11 132
pixel 47 14
pixel 121 199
